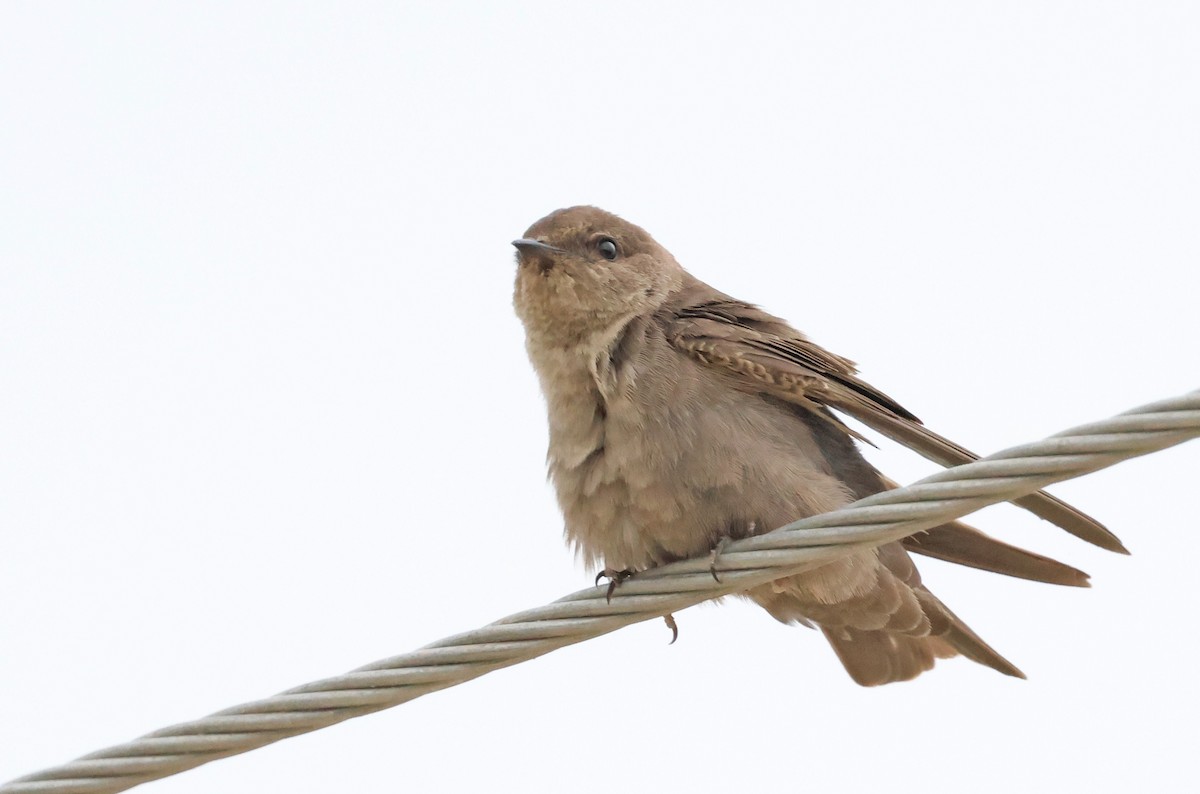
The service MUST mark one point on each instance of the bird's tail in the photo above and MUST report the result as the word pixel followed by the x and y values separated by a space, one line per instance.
pixel 873 630
pixel 962 544
pixel 876 657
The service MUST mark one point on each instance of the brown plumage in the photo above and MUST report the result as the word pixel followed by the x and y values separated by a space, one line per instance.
pixel 680 416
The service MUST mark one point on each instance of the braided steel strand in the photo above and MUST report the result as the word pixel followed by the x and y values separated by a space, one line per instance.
pixel 878 519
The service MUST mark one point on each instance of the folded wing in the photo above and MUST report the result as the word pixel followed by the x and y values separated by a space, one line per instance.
pixel 763 353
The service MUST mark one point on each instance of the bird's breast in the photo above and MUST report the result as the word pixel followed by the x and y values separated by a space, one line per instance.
pixel 654 458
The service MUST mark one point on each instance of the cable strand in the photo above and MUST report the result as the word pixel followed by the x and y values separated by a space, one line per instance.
pixel 881 518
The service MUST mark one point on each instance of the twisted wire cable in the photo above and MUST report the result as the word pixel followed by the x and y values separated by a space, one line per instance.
pixel 878 519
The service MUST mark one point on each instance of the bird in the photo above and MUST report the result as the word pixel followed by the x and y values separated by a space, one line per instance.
pixel 681 418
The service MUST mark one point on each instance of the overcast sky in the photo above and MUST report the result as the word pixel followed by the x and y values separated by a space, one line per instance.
pixel 266 415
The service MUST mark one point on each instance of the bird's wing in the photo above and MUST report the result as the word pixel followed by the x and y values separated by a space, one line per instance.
pixel 765 354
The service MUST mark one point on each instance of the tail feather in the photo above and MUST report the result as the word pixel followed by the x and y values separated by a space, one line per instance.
pixel 962 544
pixel 950 628
pixel 874 658
pixel 943 451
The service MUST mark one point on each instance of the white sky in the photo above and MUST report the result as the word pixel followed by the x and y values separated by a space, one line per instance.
pixel 265 412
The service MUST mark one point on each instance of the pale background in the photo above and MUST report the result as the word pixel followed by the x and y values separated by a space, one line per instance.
pixel 265 413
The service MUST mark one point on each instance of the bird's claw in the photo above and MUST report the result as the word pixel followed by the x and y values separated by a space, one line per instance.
pixel 715 555
pixel 673 626
pixel 722 542
pixel 615 578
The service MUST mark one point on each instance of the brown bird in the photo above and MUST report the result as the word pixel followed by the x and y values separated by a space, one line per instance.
pixel 681 417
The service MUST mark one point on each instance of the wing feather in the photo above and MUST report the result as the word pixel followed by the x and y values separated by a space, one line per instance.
pixel 765 354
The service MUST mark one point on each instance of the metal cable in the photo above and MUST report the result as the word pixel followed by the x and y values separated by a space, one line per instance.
pixel 803 544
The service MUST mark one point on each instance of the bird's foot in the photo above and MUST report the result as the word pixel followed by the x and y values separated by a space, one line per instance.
pixel 715 554
pixel 615 578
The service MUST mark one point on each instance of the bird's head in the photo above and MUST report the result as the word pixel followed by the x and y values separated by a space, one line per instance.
pixel 582 270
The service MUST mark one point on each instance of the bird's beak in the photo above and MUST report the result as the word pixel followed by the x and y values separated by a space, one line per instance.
pixel 534 246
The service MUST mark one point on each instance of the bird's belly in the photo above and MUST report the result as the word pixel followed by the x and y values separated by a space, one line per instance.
pixel 670 483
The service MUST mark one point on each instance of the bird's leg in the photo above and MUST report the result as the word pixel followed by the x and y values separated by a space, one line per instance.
pixel 615 578
pixel 669 619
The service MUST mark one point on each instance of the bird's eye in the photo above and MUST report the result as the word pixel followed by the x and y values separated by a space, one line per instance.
pixel 607 248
